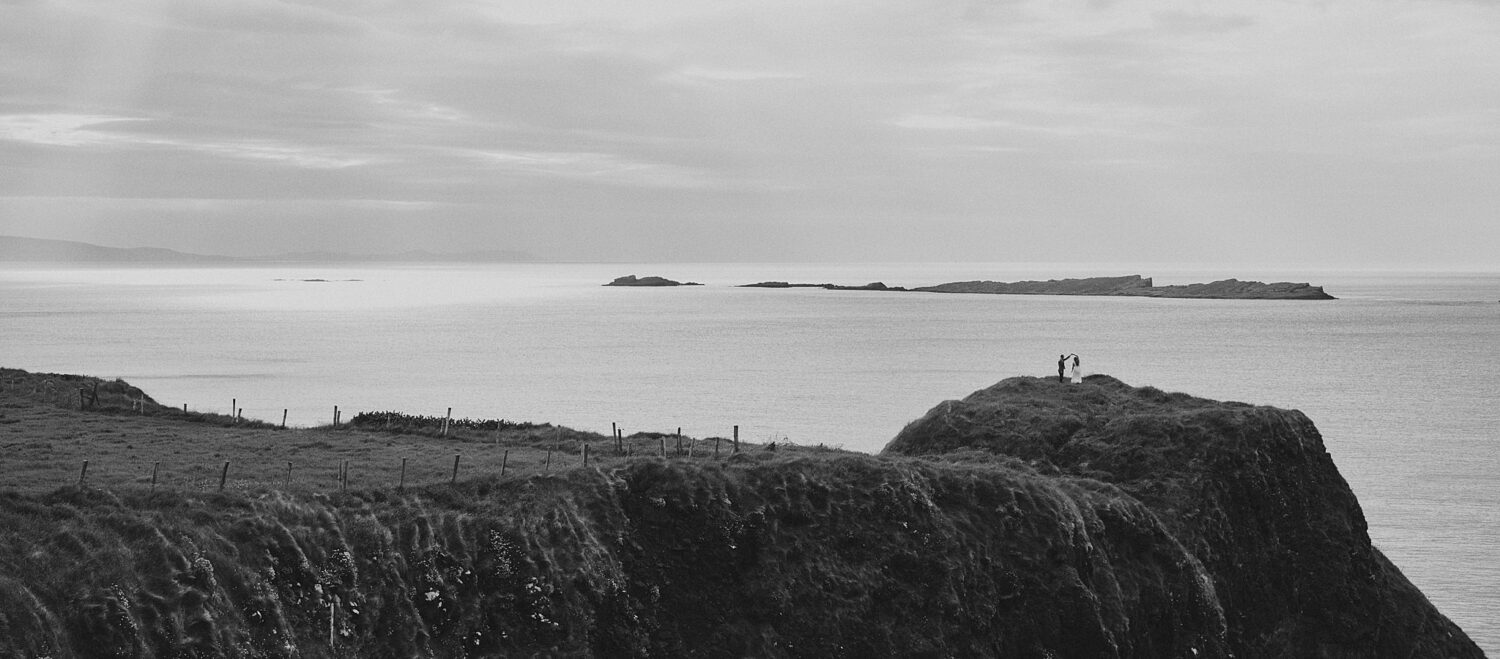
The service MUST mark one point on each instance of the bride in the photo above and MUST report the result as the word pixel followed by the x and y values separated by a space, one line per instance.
pixel 1076 373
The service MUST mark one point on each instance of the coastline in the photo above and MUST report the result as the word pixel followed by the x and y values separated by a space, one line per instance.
pixel 778 351
pixel 654 500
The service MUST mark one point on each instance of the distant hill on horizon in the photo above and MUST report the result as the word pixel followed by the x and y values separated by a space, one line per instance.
pixel 42 250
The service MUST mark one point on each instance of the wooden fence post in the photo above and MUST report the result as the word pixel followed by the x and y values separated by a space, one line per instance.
pixel 663 442
pixel 289 474
pixel 716 446
pixel 283 418
pixel 447 420
pixel 585 455
pixel 736 439
pixel 455 468
pixel 224 476
pixel 154 466
pixel 505 458
pixel 85 472
pixel 335 416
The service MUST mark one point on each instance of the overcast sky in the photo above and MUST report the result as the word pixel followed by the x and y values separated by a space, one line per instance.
pixel 1340 132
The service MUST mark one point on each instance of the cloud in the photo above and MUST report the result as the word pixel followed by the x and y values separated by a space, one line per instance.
pixel 59 129
pixel 71 130
pixel 600 168
pixel 829 111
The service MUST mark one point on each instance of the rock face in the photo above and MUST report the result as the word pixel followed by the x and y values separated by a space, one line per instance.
pixel 1135 285
pixel 843 556
pixel 1249 492
pixel 632 280
pixel 1032 519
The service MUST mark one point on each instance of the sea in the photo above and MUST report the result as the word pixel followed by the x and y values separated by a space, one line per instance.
pixel 1401 373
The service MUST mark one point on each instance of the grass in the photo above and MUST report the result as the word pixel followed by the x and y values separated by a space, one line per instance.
pixel 1029 520
pixel 45 439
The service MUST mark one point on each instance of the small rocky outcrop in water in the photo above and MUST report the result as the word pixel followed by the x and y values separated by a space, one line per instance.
pixel 872 286
pixel 1248 492
pixel 632 280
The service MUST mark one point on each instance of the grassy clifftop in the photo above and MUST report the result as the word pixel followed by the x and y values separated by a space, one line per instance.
pixel 1250 491
pixel 1032 520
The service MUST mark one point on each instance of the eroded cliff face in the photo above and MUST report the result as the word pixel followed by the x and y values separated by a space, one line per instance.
pixel 1249 491
pixel 813 557
pixel 1032 519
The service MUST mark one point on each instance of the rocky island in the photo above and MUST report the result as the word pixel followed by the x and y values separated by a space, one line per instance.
pixel 1031 519
pixel 1131 285
pixel 632 280
pixel 872 286
pixel 1136 285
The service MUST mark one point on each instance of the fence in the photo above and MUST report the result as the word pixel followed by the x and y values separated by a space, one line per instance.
pixel 126 441
pixel 344 459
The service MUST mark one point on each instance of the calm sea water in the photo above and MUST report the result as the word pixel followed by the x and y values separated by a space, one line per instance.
pixel 1400 374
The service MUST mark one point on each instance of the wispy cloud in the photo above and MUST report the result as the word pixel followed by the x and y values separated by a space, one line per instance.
pixel 72 130
pixel 60 129
pixel 600 168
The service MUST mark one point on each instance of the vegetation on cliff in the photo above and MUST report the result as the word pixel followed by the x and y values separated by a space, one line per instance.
pixel 1250 491
pixel 1033 519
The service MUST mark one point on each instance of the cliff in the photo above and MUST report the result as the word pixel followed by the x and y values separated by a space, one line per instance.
pixel 1249 492
pixel 1032 519
pixel 850 556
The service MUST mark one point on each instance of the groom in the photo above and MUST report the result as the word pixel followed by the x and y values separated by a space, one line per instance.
pixel 1062 366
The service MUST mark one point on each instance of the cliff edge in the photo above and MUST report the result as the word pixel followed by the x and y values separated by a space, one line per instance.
pixel 1031 519
pixel 1249 491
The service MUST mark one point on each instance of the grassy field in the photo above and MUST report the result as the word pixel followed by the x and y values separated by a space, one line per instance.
pixel 48 430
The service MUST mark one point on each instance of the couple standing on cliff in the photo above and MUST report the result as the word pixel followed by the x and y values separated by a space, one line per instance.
pixel 1062 367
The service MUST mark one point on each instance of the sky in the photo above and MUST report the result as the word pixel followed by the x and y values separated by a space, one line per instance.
pixel 1360 133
